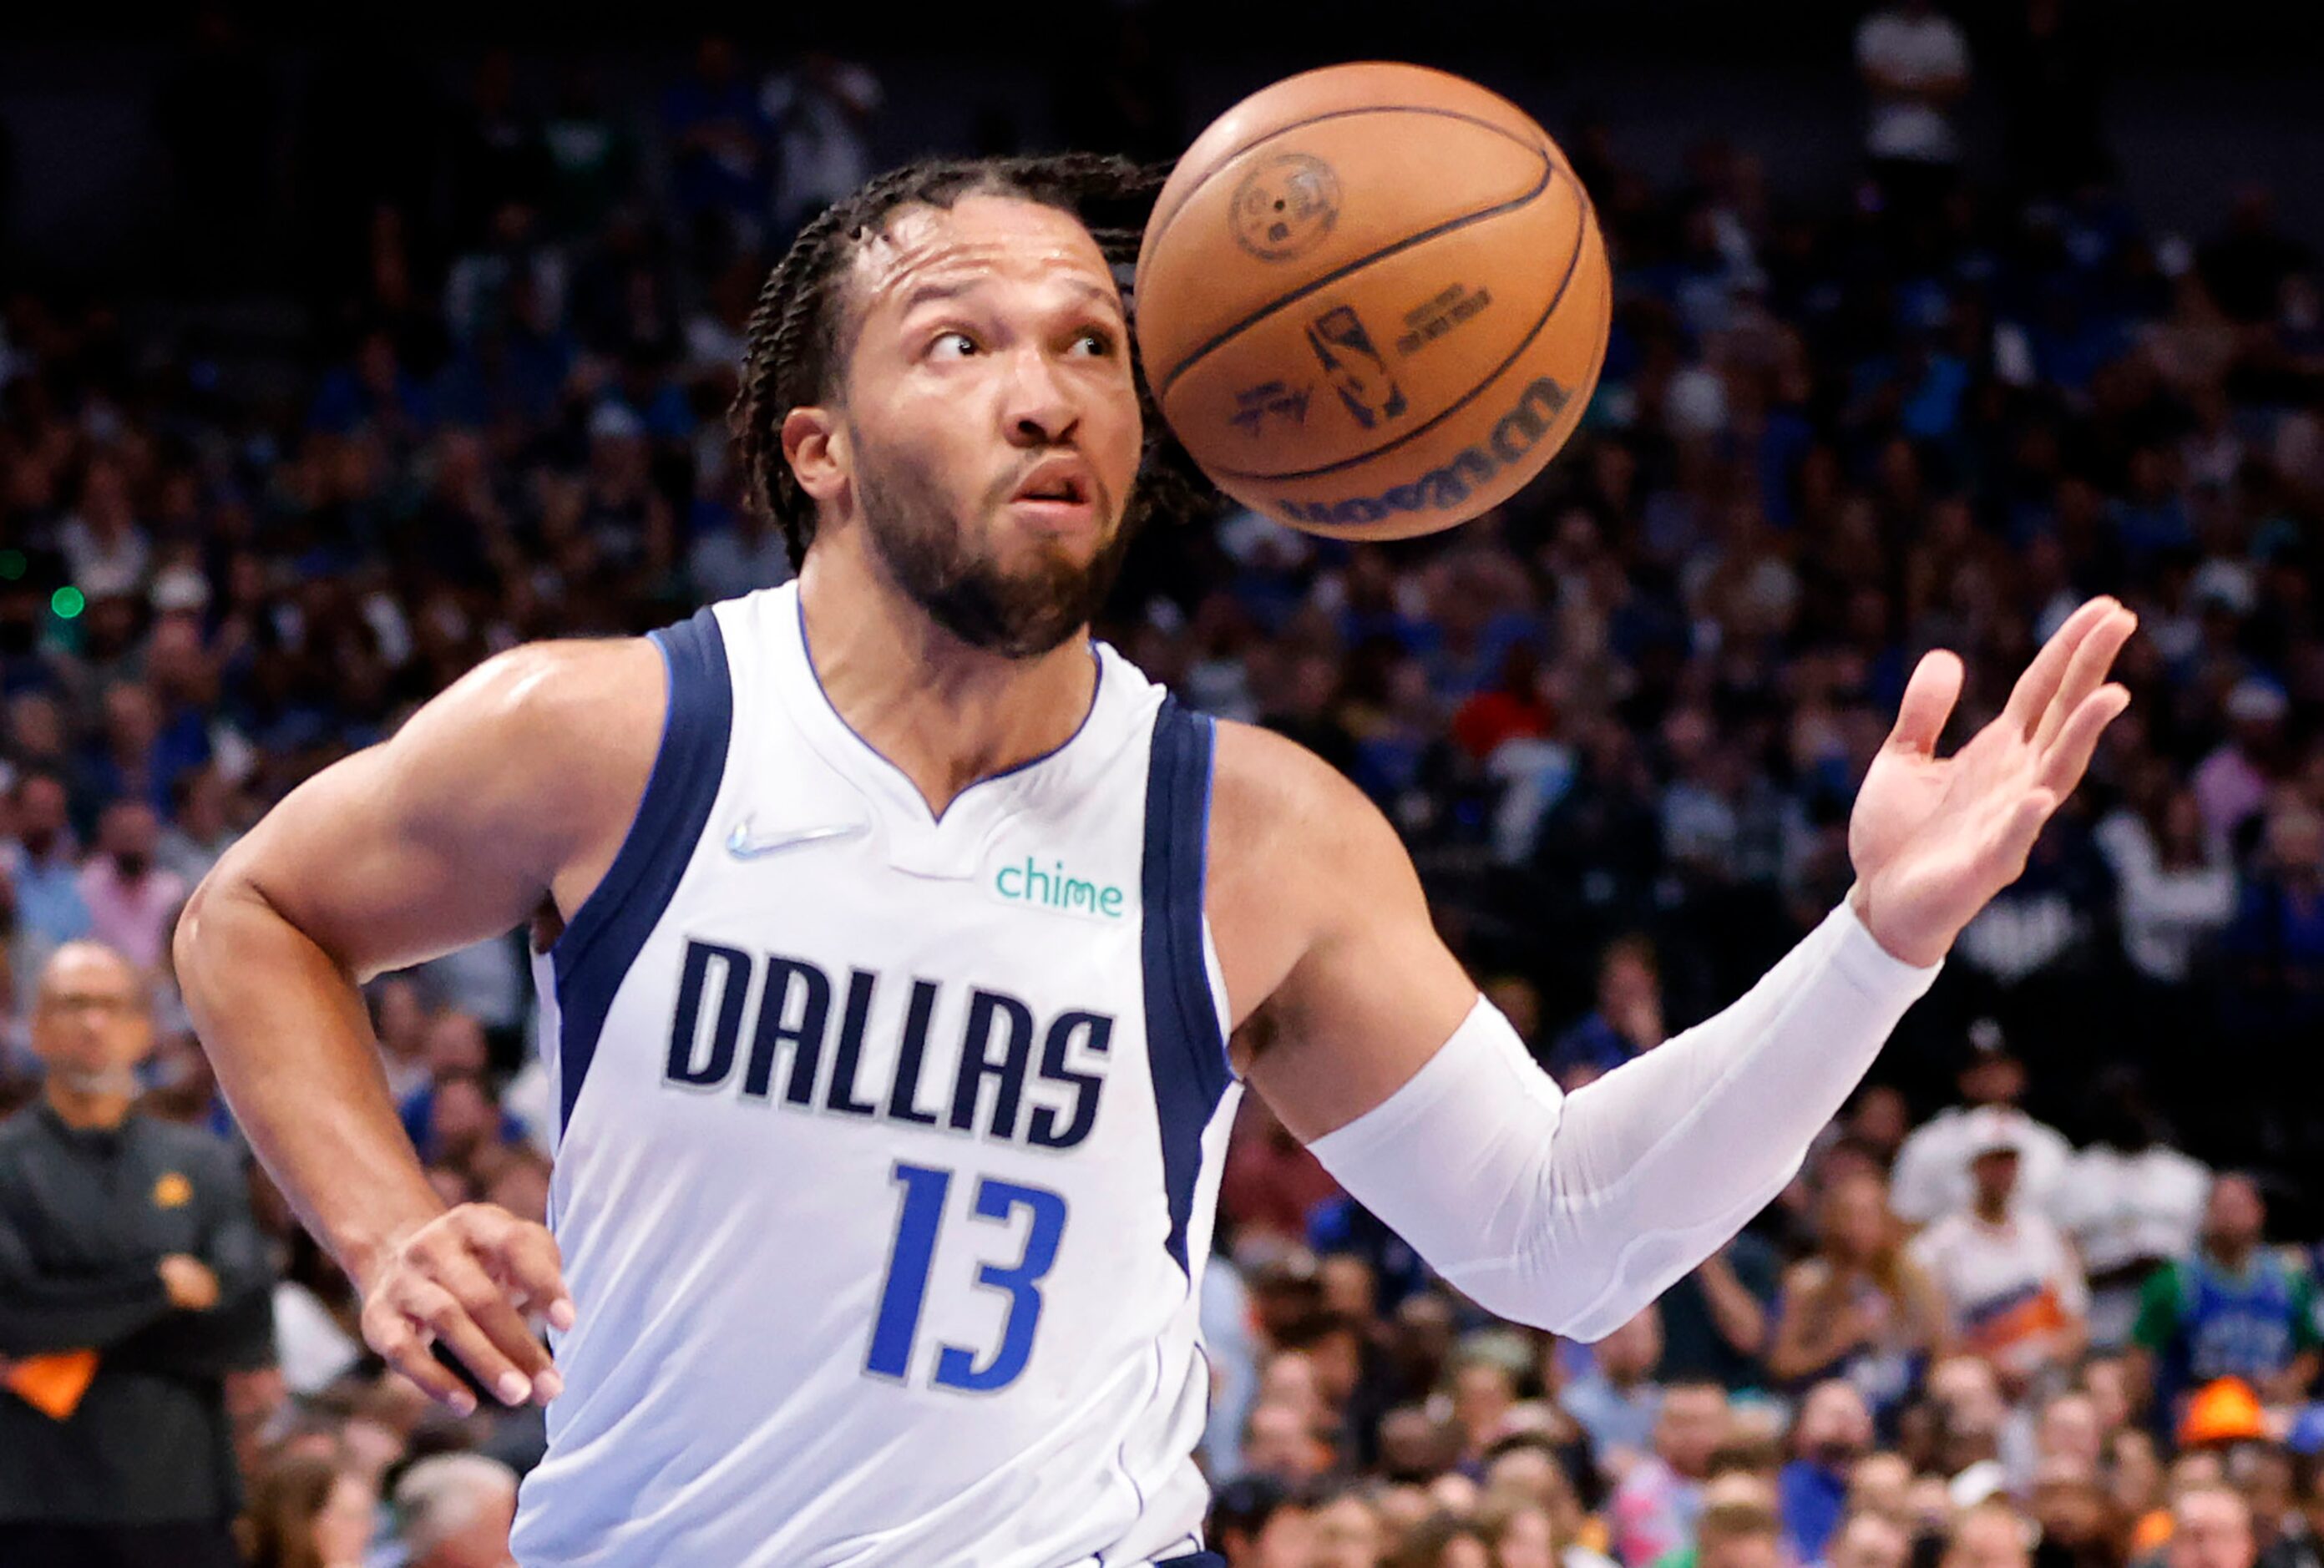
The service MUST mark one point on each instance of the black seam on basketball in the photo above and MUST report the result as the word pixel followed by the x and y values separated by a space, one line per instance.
pixel 1154 241
pixel 1549 172
pixel 1572 265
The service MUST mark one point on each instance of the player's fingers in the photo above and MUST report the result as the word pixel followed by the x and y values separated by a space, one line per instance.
pixel 2039 683
pixel 525 1258
pixel 522 1367
pixel 2078 741
pixel 2085 673
pixel 2015 841
pixel 401 1342
pixel 442 1315
pixel 1929 698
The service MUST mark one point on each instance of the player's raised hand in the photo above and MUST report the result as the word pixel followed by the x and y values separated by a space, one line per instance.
pixel 1935 838
pixel 467 1278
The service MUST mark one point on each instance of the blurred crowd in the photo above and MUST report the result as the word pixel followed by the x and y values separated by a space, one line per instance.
pixel 2008 1317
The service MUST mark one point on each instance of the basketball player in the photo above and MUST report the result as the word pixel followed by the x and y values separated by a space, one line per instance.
pixel 892 936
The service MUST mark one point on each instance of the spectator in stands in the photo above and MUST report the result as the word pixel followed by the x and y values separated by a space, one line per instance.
pixel 306 1512
pixel 1866 1539
pixel 201 825
pixel 2276 947
pixel 1971 1418
pixel 2233 783
pixel 1446 1540
pixel 2229 1309
pixel 1654 1508
pixel 400 1020
pixel 2176 887
pixel 1737 1535
pixel 42 864
pixel 1283 1439
pixel 1485 1371
pixel 1617 1399
pixel 1627 1023
pixel 456 1052
pixel 133 1281
pixel 2013 1289
pixel 1860 1308
pixel 2131 1204
pixel 1990 1535
pixel 1881 1484
pixel 1348 1532
pixel 1832 1434
pixel 133 901
pixel 820 113
pixel 1715 1320
pixel 2211 1527
pixel 1914 63
pixel 1258 1522
pixel 454 1511
pixel 721 138
pixel 1932 1178
pixel 2070 1508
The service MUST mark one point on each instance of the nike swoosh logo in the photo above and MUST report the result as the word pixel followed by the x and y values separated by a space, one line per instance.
pixel 745 844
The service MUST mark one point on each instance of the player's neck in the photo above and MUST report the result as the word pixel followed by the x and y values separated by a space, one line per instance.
pixel 945 713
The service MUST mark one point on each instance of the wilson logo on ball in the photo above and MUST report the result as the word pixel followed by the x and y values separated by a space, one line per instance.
pixel 1513 434
pixel 1286 207
pixel 1358 373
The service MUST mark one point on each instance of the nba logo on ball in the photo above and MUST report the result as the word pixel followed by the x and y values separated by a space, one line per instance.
pixel 1286 207
pixel 1359 374
pixel 1422 250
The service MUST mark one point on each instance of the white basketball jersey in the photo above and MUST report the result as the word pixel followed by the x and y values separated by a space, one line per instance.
pixel 889 1142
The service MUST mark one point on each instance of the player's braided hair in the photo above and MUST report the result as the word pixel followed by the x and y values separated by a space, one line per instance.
pixel 795 343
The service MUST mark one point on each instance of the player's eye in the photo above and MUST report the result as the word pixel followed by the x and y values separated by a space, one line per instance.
pixel 1094 342
pixel 951 344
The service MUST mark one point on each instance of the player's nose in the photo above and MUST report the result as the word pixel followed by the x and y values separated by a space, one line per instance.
pixel 1038 406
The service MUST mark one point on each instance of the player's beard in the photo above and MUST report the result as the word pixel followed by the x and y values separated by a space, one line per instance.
pixel 931 553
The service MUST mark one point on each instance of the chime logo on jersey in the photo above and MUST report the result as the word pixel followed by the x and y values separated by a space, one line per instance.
pixel 1018 1078
pixel 1026 880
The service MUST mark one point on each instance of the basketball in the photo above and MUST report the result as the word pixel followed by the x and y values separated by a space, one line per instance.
pixel 1372 300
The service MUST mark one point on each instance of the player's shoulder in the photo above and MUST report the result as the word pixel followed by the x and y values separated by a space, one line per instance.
pixel 1291 822
pixel 1269 790
pixel 558 682
pixel 563 710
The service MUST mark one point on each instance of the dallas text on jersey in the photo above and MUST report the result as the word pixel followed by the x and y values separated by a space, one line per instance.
pixel 1048 1103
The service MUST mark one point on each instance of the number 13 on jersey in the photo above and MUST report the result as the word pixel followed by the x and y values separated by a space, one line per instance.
pixel 921 1214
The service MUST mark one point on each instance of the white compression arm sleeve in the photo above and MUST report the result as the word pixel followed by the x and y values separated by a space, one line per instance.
pixel 1572 1212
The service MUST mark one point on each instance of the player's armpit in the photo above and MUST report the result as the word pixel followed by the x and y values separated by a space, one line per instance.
pixel 1340 986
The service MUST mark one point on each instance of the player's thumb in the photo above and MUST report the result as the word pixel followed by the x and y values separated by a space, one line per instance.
pixel 1929 698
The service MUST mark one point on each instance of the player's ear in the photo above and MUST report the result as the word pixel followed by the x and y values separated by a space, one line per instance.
pixel 814 444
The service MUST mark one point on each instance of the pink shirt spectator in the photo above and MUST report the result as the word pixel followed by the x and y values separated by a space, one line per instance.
pixel 132 916
pixel 2230 789
pixel 1653 1511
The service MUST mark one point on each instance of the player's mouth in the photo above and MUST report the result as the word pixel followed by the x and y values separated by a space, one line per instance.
pixel 1059 493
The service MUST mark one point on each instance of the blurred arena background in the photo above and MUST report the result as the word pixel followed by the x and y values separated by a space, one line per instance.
pixel 336 355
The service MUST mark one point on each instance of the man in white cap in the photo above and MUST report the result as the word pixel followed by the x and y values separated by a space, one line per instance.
pixel 2012 1287
pixel 1932 1177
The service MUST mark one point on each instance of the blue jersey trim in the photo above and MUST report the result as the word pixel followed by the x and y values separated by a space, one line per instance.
pixel 1183 1048
pixel 610 928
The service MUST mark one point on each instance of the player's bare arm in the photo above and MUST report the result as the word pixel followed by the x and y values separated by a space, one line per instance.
pixel 1359 1029
pixel 507 795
